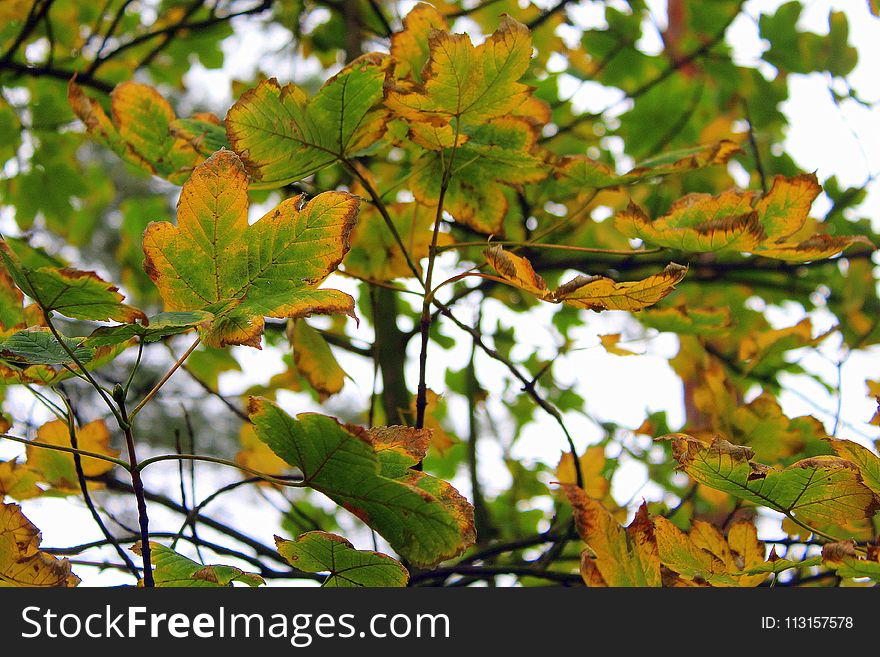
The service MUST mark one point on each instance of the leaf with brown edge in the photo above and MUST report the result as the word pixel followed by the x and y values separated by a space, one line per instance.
pixel 410 48
pixel 317 552
pixel 843 558
pixel 22 564
pixel 214 261
pixel 283 136
pixel 144 130
pixel 171 569
pixel 592 464
pixel 314 359
pixel 70 292
pixel 591 292
pixel 18 481
pixel 369 473
pixel 574 174
pixel 704 555
pixel 617 556
pixel 822 491
pixel 772 225
pixel 866 460
pixel 57 468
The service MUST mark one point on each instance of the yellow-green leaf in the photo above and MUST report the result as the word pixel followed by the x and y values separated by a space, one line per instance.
pixel 822 491
pixel 314 359
pixel 318 552
pixel 57 468
pixel 283 136
pixel 214 261
pixel 171 569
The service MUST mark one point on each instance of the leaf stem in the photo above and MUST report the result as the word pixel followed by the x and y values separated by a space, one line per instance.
pixel 165 378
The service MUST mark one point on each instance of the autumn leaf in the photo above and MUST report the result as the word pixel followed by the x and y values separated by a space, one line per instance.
pixel 71 292
pixel 843 558
pixel 314 359
pixel 157 327
pixel 610 343
pixel 424 519
pixel 214 261
pixel 592 292
pixel 688 321
pixel 867 461
pixel 576 174
pixel 435 408
pixel 617 556
pixel 318 552
pixel 704 555
pixel 22 564
pixel 824 491
pixel 771 225
pixel 255 454
pixel 283 136
pixel 38 346
pixel 145 131
pixel 171 569
pixel 410 48
pixel 57 468
pixel 18 481
pixel 48 375
pixel 592 463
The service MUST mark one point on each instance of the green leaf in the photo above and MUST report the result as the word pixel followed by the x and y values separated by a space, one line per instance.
pixel 160 326
pixel 171 569
pixel 37 346
pixel 822 491
pixel 214 261
pixel 282 136
pixel 71 292
pixel 423 518
pixel 318 552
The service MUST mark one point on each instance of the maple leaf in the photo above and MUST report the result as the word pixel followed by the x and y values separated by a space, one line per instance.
pixel 410 48
pixel 146 132
pixel 461 109
pixel 617 556
pixel 22 563
pixel 316 552
pixel 824 491
pixel 771 225
pixel 283 136
pixel 369 473
pixel 171 569
pixel 592 292
pixel 214 261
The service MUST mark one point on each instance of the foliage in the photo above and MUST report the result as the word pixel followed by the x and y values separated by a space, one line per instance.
pixel 438 198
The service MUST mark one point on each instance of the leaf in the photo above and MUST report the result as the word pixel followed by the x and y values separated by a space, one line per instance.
pixel 158 327
pixel 171 569
pixel 771 225
pixel 617 556
pixel 214 261
pixel 435 409
pixel 688 321
pixel 610 341
pixel 705 555
pixel 22 564
pixel 469 84
pixel 867 461
pixel 255 454
pixel 314 360
pixel 317 552
pixel 776 564
pixel 145 131
pixel 424 519
pixel 410 48
pixel 37 346
pixel 592 463
pixel 282 136
pixel 573 174
pixel 496 156
pixel 592 292
pixel 842 557
pixel 822 490
pixel 57 468
pixel 71 292
pixel 50 375
pixel 18 481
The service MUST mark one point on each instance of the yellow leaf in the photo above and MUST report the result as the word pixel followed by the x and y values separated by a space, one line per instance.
pixel 617 556
pixel 57 468
pixel 314 359
pixel 610 342
pixel 592 464
pixel 18 480
pixel 592 292
pixel 255 454
pixel 435 407
pixel 22 564
pixel 409 47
